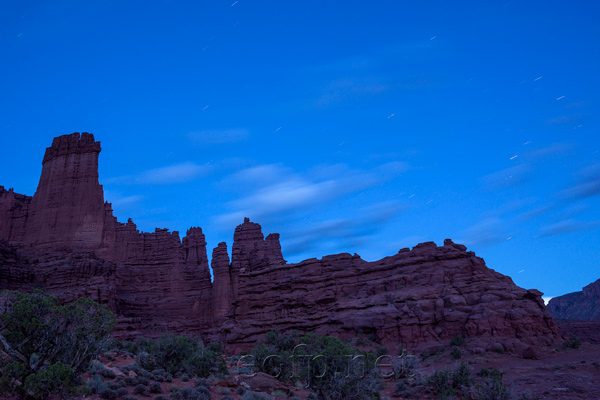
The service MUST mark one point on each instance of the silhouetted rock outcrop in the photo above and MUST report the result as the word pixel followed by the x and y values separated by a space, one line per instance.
pixel 66 240
pixel 584 305
pixel 159 281
pixel 418 297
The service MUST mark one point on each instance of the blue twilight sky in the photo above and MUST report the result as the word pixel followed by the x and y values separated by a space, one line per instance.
pixel 347 126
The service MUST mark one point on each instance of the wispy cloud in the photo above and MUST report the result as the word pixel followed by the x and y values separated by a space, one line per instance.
pixel 587 184
pixel 527 168
pixel 346 233
pixel 218 136
pixel 568 226
pixel 563 119
pixel 486 232
pixel 512 176
pixel 118 200
pixel 349 88
pixel 178 173
pixel 272 190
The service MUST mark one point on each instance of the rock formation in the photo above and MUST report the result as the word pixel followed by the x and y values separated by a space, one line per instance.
pixel 66 240
pixel 584 305
pixel 163 282
pixel 417 297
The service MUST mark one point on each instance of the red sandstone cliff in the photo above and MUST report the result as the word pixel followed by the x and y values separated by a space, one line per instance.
pixel 584 305
pixel 162 282
pixel 66 240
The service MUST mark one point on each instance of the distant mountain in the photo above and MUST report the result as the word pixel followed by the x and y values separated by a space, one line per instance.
pixel 584 305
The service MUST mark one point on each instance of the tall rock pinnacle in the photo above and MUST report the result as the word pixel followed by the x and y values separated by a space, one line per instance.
pixel 68 206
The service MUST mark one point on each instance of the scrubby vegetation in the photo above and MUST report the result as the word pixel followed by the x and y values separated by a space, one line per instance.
pixel 331 368
pixel 48 344
pixel 51 349
pixel 172 354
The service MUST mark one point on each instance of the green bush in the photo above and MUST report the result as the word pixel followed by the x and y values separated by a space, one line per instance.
pixel 461 376
pixel 446 383
pixel 458 340
pixel 57 378
pixel 155 387
pixel 456 354
pixel 441 382
pixel 48 344
pixel 140 389
pixel 107 373
pixel 337 369
pixel 405 365
pixel 107 393
pixel 492 388
pixel 187 393
pixel 177 354
pixel 250 395
pixel 572 343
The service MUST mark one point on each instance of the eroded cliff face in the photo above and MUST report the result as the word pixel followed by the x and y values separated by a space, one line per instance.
pixel 584 305
pixel 66 240
pixel 417 297
pixel 157 281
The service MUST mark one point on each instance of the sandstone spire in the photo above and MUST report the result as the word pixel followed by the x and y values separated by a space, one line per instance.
pixel 68 206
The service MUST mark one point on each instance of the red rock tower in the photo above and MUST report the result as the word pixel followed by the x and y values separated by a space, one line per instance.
pixel 68 206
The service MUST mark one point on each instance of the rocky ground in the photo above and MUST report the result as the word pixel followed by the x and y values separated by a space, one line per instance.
pixel 553 373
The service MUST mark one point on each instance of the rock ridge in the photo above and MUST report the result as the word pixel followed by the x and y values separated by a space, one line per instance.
pixel 583 305
pixel 66 240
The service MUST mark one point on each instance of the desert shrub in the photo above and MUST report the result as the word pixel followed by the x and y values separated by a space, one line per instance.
pixel 279 393
pixel 48 344
pixel 108 373
pixel 129 397
pixel 12 372
pixel 159 375
pixel 572 343
pixel 446 383
pixel 227 398
pixel 490 373
pixel 131 381
pixel 107 393
pixel 146 361
pixel 114 385
pixel 405 365
pixel 441 383
pixel 204 391
pixel 57 378
pixel 201 382
pixel 175 354
pixel 95 366
pixel 140 389
pixel 143 380
pixel 250 395
pixel 456 354
pixel 121 391
pixel 401 389
pixel 95 383
pixel 187 393
pixel 461 376
pixel 161 397
pixel 458 340
pixel 337 369
pixel 492 388
pixel 185 377
pixel 155 387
